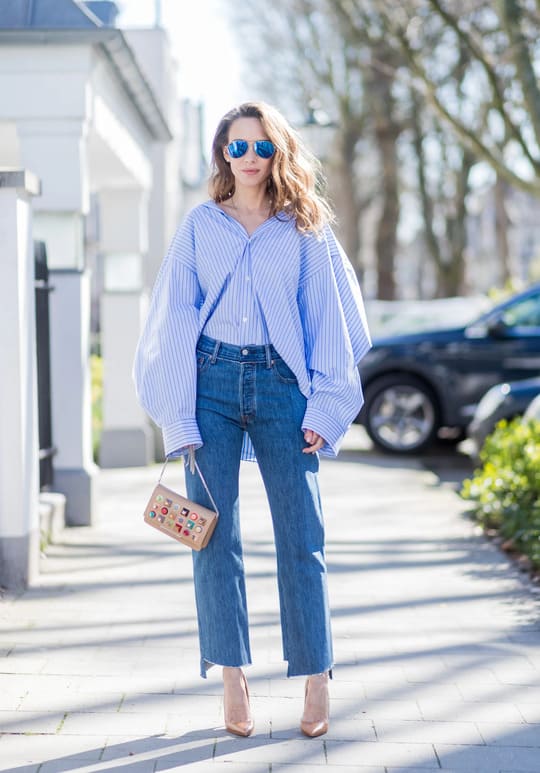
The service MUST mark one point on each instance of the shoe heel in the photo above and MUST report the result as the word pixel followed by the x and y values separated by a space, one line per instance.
pixel 244 727
pixel 314 728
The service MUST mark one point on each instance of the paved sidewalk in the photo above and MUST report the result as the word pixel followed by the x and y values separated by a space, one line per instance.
pixel 437 642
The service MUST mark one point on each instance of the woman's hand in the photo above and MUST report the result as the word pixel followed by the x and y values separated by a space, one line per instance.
pixel 314 441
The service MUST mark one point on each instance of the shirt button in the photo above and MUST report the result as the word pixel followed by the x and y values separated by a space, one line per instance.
pixel 248 278
pixel 244 319
pixel 245 351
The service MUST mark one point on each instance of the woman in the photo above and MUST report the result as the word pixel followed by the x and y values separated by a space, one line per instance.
pixel 250 348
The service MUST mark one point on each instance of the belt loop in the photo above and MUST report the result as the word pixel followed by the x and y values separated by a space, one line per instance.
pixel 268 352
pixel 213 358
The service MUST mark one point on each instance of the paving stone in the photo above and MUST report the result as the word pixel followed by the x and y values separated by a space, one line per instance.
pixel 381 753
pixel 410 691
pixel 375 709
pixel 264 750
pixel 70 700
pixel 30 721
pixel 411 731
pixel 359 768
pixel 470 711
pixel 22 769
pixel 530 712
pixel 98 723
pixel 509 734
pixel 144 766
pixel 486 759
pixel 25 749
pixel 157 747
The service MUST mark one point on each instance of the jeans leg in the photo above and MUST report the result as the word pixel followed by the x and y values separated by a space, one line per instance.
pixel 218 569
pixel 291 483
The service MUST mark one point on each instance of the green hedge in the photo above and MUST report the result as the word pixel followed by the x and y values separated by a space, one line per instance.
pixel 96 370
pixel 505 492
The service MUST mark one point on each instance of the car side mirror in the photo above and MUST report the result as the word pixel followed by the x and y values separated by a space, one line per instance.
pixel 497 328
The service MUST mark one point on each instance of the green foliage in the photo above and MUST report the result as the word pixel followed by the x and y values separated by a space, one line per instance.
pixel 505 492
pixel 96 370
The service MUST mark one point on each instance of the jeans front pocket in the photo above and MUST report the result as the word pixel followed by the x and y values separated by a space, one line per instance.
pixel 204 361
pixel 283 372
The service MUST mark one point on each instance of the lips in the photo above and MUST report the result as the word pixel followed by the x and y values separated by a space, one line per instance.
pixel 250 171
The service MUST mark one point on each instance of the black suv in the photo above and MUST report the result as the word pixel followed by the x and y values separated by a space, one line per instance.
pixel 416 384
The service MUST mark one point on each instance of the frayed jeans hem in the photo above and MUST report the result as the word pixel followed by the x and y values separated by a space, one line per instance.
pixel 302 672
pixel 206 665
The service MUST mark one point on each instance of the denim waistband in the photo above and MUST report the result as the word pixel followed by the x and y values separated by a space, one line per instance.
pixel 250 353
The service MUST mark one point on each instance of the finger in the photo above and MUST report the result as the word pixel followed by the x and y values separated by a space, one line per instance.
pixel 314 447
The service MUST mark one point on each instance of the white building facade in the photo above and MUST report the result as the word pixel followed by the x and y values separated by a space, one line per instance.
pixel 93 113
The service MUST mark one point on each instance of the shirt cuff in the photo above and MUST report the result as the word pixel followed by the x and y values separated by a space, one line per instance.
pixel 326 427
pixel 179 436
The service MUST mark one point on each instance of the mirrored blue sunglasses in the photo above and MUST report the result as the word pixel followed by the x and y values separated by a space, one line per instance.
pixel 239 148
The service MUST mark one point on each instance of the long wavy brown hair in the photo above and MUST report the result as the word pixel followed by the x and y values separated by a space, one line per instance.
pixel 295 174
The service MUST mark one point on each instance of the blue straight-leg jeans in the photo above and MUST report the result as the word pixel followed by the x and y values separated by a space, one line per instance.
pixel 252 389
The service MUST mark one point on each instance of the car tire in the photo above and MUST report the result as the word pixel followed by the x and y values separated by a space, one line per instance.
pixel 400 414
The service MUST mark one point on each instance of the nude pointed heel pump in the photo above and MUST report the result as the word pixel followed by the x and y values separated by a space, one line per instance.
pixel 243 727
pixel 314 722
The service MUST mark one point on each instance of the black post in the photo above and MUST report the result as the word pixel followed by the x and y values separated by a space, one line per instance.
pixel 43 288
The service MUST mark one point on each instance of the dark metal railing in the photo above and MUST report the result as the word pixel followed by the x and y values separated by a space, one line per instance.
pixel 43 289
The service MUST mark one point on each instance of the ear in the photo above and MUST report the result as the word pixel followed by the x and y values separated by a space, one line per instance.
pixel 226 155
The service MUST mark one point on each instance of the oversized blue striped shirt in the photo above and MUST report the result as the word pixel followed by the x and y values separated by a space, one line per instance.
pixel 309 301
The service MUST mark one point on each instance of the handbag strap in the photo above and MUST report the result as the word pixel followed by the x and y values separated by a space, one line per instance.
pixel 192 461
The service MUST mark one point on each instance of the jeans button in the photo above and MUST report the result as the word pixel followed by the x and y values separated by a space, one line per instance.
pixel 245 351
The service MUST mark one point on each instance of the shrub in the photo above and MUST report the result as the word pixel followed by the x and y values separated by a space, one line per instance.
pixel 505 492
pixel 96 371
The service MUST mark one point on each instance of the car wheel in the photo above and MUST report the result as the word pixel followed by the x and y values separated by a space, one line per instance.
pixel 400 414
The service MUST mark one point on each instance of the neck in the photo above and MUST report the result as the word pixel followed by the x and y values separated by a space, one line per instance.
pixel 250 199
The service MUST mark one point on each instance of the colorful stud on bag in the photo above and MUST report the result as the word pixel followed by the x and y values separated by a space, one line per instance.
pixel 184 511
pixel 152 513
pixel 159 498
pixel 168 502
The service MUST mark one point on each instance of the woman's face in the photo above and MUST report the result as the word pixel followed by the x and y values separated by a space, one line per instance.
pixel 250 169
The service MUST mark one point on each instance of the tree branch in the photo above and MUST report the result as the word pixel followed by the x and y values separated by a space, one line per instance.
pixel 466 135
pixel 498 96
pixel 510 14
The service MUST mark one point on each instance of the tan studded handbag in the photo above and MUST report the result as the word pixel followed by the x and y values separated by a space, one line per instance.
pixel 179 517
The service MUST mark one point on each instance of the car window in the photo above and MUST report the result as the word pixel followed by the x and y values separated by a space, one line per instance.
pixel 524 313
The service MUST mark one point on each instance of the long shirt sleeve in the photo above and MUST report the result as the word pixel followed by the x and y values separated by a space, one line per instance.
pixel 336 338
pixel 165 368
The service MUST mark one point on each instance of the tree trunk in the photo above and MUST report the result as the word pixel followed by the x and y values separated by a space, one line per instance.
pixel 379 92
pixel 386 239
pixel 502 221
pixel 344 195
pixel 451 274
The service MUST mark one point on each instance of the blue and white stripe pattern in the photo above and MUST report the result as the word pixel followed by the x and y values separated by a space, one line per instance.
pixel 304 298
pixel 237 318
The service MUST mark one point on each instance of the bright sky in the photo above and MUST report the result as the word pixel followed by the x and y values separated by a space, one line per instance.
pixel 203 44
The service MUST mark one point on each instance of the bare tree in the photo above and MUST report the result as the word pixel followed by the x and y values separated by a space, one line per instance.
pixel 500 120
pixel 298 57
